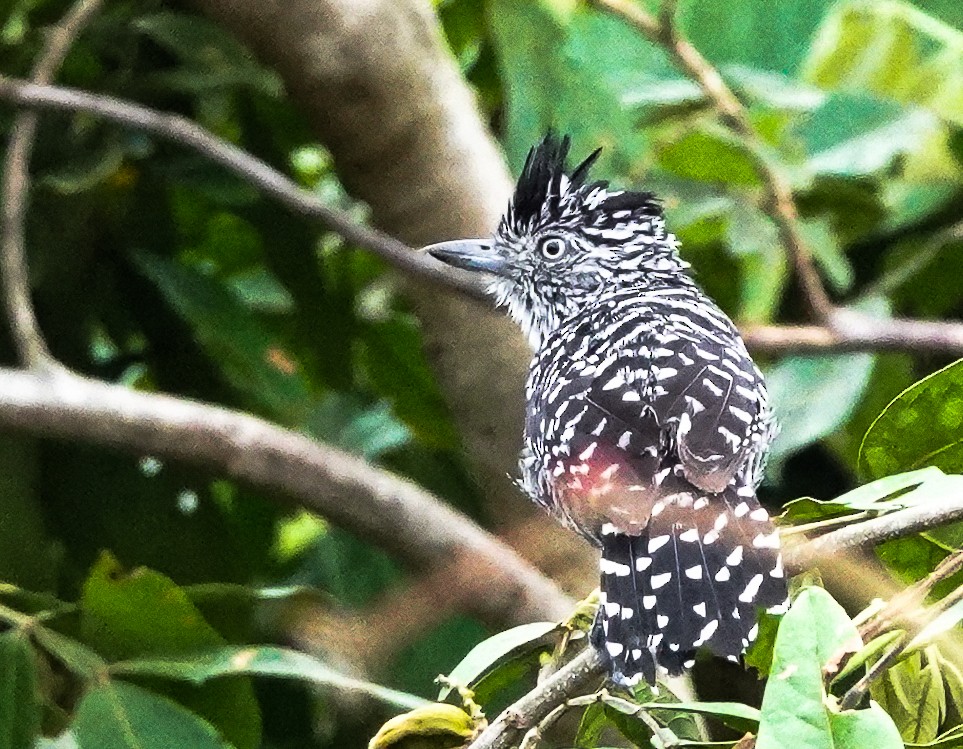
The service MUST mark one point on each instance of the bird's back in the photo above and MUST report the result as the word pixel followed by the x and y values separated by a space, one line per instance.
pixel 646 427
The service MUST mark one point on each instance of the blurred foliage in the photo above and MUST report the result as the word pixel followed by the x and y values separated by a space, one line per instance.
pixel 153 268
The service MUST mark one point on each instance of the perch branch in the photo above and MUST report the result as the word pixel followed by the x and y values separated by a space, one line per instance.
pixel 581 674
pixel 14 195
pixel 884 528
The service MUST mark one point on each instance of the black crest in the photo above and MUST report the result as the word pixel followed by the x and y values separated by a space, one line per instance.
pixel 542 192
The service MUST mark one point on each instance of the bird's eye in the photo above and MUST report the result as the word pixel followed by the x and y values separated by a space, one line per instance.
pixel 552 248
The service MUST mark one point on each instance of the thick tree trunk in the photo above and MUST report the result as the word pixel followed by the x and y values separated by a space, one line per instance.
pixel 381 89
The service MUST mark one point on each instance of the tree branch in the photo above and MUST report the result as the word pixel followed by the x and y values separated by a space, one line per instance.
pixel 664 31
pixel 14 195
pixel 884 528
pixel 183 131
pixel 581 674
pixel 391 512
pixel 850 331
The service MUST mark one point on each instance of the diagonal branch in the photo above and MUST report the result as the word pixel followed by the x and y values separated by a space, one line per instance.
pixel 850 331
pixel 183 131
pixel 393 513
pixel 664 32
pixel 14 195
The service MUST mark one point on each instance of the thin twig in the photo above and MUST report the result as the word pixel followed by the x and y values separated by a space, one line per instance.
pixel 850 331
pixel 664 31
pixel 183 131
pixel 14 195
pixel 906 609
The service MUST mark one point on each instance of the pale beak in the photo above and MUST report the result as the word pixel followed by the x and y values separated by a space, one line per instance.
pixel 470 254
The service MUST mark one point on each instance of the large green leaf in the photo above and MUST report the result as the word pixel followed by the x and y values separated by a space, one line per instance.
pixel 923 426
pixel 913 694
pixel 143 613
pixel 19 709
pixel 796 711
pixel 203 666
pixel 116 715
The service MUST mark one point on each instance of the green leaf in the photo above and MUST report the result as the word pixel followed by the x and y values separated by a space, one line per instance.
pixel 593 722
pixel 883 495
pixel 913 694
pixel 574 72
pixel 116 715
pixel 487 653
pixel 815 395
pixel 19 690
pixel 249 356
pixel 753 239
pixel 922 426
pixel 212 58
pixel 200 667
pixel 796 711
pixel 733 714
pixel 78 658
pixel 396 364
pixel 828 253
pixel 144 613
pixel 892 49
pixel 869 653
pixel 710 154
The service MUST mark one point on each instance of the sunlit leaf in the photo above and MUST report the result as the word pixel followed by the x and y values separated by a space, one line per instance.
pixel 923 426
pixel 435 725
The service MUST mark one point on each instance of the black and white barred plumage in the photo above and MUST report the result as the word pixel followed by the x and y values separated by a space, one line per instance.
pixel 647 421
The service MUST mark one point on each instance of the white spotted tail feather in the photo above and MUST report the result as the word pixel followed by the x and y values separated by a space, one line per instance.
pixel 694 578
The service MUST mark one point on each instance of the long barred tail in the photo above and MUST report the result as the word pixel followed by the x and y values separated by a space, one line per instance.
pixel 694 577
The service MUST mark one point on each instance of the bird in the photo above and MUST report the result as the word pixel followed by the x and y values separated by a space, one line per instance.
pixel 647 422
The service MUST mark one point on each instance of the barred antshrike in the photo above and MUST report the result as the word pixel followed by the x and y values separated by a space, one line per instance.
pixel 647 421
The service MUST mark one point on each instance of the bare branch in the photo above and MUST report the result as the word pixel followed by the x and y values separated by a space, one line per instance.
pixel 14 194
pixel 183 131
pixel 391 512
pixel 854 331
pixel 869 532
pixel 781 207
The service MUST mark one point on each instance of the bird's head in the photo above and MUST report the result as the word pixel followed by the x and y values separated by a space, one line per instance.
pixel 564 241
